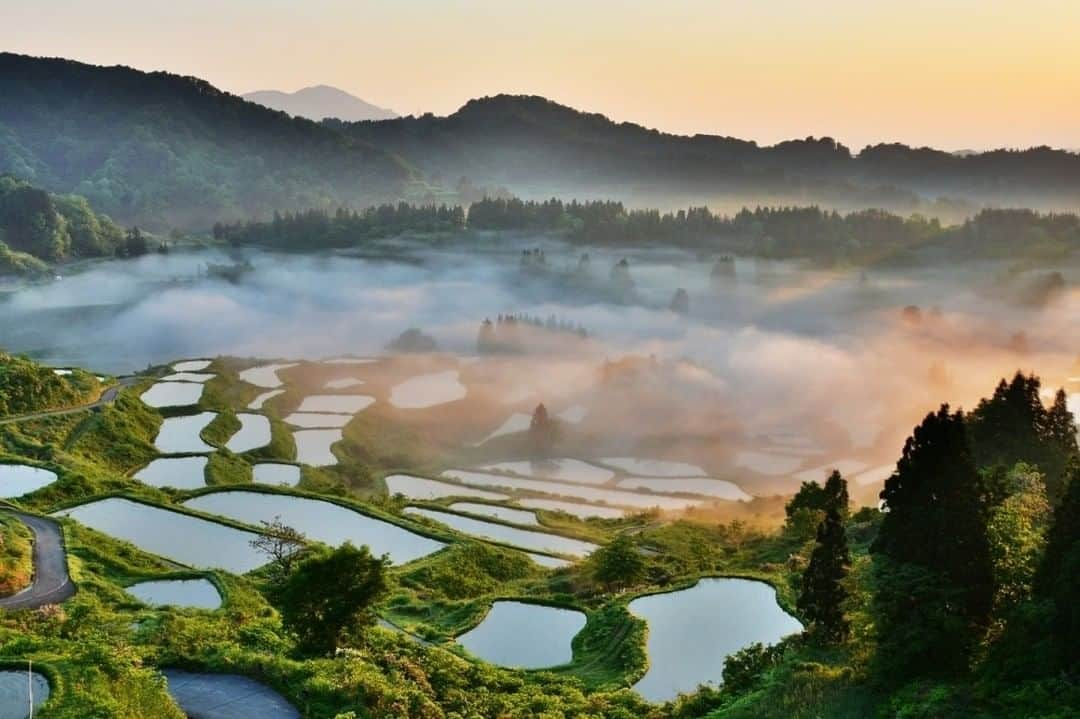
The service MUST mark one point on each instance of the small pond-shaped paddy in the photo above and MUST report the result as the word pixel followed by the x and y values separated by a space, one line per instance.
pixel 567 470
pixel 265 376
pixel 524 538
pixel 310 420
pixel 654 467
pixel 549 562
pixel 693 630
pixel 506 514
pixel 279 474
pixel 427 390
pixel 172 394
pixel 517 422
pixel 195 593
pixel 526 636
pixel 584 511
pixel 175 472
pixel 188 377
pixel 336 403
pixel 263 398
pixel 16 688
pixel 615 497
pixel 719 488
pixel 19 479
pixel 320 520
pixel 191 365
pixel 422 488
pixel 573 414
pixel 313 446
pixel 185 539
pixel 254 432
pixel 180 435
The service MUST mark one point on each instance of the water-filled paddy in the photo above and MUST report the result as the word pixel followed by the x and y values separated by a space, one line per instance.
pixel 692 631
pixel 16 688
pixel 427 390
pixel 526 539
pixel 254 432
pixel 319 520
pixel 528 636
pixel 263 398
pixel 278 474
pixel 506 514
pixel 188 540
pixel 584 511
pixel 196 593
pixel 517 422
pixel 19 479
pixel 336 403
pixel 567 470
pixel 187 377
pixel 175 472
pixel 197 365
pixel 592 494
pixel 313 446
pixel 179 435
pixel 573 414
pixel 654 467
pixel 422 488
pixel 549 562
pixel 311 420
pixel 172 394
pixel 768 463
pixel 719 488
pixel 266 375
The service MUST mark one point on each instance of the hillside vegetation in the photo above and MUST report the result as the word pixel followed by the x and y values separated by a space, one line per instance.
pixel 26 386
pixel 162 150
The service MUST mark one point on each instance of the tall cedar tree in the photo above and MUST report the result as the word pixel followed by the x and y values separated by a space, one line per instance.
pixel 1059 576
pixel 823 593
pixel 1014 426
pixel 542 431
pixel 932 555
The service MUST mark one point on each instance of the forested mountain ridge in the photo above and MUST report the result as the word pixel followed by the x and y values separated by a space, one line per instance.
pixel 165 150
pixel 524 141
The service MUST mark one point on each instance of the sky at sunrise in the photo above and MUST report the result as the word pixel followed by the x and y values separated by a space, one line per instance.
pixel 955 74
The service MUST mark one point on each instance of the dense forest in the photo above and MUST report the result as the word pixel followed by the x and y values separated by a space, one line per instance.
pixel 530 143
pixel 790 232
pixel 163 150
pixel 37 227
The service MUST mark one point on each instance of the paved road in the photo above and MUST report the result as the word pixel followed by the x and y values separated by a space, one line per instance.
pixel 226 696
pixel 107 397
pixel 51 584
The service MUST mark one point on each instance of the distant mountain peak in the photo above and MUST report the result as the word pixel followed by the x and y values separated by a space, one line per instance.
pixel 320 101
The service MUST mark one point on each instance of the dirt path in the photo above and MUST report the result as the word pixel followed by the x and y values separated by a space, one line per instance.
pixel 226 696
pixel 106 397
pixel 51 584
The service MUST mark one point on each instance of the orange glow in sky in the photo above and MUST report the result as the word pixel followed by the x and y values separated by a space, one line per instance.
pixel 954 74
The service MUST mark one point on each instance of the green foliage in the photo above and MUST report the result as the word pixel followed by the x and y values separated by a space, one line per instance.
pixel 618 564
pixel 1017 532
pixel 119 436
pixel 469 569
pixel 823 592
pixel 746 667
pixel 16 568
pixel 936 582
pixel 224 467
pixel 26 386
pixel 331 595
pixel 1059 575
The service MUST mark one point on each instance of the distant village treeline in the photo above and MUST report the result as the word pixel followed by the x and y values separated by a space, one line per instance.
pixel 785 232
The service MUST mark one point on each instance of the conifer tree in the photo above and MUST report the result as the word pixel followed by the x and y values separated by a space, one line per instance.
pixel 823 594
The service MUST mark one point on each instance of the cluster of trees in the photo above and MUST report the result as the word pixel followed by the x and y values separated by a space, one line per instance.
pixel 969 554
pixel 313 229
pixel 50 227
pixel 520 333
pixel 26 386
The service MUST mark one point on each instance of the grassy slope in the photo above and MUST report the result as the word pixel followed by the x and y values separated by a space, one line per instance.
pixel 16 563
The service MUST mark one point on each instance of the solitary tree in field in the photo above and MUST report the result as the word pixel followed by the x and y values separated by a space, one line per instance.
pixel 542 431
pixel 618 564
pixel 282 544
pixel 330 595
pixel 823 594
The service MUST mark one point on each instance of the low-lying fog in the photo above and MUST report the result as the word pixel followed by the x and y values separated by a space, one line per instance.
pixel 772 348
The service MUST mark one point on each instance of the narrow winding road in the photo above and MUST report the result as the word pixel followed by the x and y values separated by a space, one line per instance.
pixel 51 584
pixel 107 397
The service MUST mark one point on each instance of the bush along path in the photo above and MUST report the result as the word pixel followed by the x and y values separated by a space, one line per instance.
pixel 51 584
